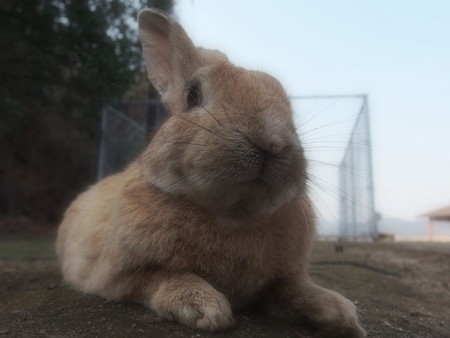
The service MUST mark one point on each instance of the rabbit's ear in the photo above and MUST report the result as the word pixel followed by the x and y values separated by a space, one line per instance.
pixel 169 54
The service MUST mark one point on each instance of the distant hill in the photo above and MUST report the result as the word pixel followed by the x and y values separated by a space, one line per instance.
pixel 398 227
pixel 419 228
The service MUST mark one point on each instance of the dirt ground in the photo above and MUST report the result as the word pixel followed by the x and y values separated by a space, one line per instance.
pixel 401 290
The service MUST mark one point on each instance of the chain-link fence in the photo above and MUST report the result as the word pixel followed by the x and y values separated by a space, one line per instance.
pixel 335 134
pixel 358 220
pixel 126 128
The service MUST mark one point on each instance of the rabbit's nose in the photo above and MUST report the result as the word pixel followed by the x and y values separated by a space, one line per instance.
pixel 274 144
pixel 268 148
pixel 271 144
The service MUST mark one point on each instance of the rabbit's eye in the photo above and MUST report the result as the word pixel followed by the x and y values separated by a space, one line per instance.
pixel 194 97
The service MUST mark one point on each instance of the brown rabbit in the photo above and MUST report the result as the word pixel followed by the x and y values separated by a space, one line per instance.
pixel 214 214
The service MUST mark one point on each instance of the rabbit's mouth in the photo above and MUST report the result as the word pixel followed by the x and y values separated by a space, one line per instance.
pixel 253 187
pixel 270 167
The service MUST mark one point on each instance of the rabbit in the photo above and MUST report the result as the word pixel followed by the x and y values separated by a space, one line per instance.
pixel 214 214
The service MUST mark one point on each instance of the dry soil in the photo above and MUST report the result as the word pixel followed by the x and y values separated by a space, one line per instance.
pixel 400 289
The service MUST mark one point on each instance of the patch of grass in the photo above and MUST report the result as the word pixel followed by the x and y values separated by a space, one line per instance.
pixel 26 249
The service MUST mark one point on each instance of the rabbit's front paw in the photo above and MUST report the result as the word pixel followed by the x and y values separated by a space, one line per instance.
pixel 214 317
pixel 336 316
pixel 194 304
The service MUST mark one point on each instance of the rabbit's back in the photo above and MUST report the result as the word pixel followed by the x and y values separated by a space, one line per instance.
pixel 83 234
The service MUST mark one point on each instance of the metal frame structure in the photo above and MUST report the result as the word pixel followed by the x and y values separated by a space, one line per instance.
pixel 357 216
pixel 358 219
pixel 122 137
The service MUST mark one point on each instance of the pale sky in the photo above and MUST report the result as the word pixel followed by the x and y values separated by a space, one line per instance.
pixel 398 52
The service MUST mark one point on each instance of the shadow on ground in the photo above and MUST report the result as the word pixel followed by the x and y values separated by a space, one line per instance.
pixel 401 290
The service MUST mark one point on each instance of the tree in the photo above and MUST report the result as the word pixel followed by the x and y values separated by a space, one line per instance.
pixel 59 59
pixel 66 54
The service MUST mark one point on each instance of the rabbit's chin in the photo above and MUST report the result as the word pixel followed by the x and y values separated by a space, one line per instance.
pixel 233 204
pixel 245 207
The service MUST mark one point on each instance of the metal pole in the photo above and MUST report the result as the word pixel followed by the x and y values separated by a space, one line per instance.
pixel 342 96
pixel 102 150
pixel 343 202
pixel 430 230
pixel 373 220
pixel 353 199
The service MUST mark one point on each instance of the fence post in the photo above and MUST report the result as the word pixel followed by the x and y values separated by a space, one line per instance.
pixel 102 150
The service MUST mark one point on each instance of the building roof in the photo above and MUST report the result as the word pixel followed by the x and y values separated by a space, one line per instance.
pixel 442 214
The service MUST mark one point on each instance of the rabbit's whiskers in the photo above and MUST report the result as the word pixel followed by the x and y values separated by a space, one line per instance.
pixel 217 133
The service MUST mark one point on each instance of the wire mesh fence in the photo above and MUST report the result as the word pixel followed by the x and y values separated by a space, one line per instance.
pixel 357 212
pixel 335 133
pixel 126 128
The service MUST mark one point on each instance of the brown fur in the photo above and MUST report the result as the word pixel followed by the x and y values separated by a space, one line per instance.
pixel 214 214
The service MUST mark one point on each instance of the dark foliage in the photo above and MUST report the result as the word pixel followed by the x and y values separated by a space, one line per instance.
pixel 58 60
